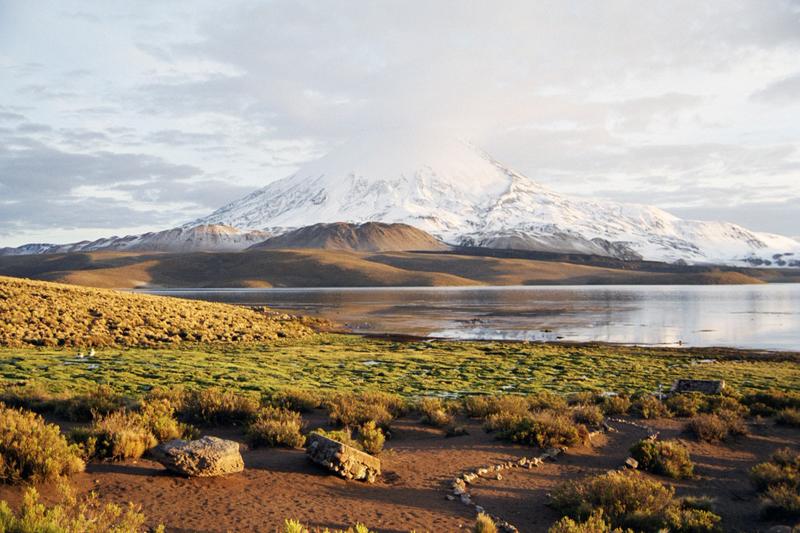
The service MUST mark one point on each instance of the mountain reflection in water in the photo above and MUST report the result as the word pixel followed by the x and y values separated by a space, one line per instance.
pixel 744 316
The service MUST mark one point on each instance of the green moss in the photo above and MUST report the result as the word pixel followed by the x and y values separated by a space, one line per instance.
pixel 349 362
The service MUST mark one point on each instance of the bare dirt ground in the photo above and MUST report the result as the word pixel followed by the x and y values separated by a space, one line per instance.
pixel 419 464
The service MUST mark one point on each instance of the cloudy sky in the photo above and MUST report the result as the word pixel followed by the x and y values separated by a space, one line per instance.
pixel 120 117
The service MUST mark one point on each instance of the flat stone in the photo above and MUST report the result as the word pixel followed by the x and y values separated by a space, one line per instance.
pixel 632 463
pixel 204 457
pixel 342 459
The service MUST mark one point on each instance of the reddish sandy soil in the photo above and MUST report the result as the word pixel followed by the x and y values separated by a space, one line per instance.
pixel 418 465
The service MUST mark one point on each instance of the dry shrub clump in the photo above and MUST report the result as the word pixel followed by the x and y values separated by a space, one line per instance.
pixel 128 434
pixel 716 427
pixel 353 410
pixel 371 438
pixel 591 415
pixel 434 412
pixel 788 417
pixel 629 500
pixel 71 515
pixel 302 400
pixel 615 405
pixel 32 450
pixel 484 524
pixel 778 481
pixel 276 426
pixel 648 406
pixel 596 523
pixel 686 404
pixel 769 403
pixel 485 406
pixel 41 313
pixel 663 457
pixel 544 428
pixel 214 406
pixel 295 526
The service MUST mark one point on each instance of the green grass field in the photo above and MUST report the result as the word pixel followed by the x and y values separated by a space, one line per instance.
pixel 348 362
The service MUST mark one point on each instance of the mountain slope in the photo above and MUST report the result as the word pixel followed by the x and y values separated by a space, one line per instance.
pixel 461 195
pixel 196 238
pixel 366 237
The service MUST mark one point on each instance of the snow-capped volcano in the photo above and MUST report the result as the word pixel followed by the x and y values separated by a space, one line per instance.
pixel 463 196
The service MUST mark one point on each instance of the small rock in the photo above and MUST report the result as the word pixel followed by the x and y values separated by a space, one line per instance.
pixel 498 476
pixel 478 509
pixel 632 463
pixel 465 499
pixel 450 497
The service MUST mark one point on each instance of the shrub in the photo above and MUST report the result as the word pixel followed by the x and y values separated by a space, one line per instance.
pixel 484 524
pixel 342 435
pixel 723 403
pixel 354 410
pixel 484 406
pixel 84 407
pixel 543 429
pixel 628 500
pixel 158 416
pixel 616 405
pixel 685 404
pixel 664 457
pixel 780 501
pixel 648 406
pixel 302 400
pixel 371 438
pixel 591 415
pixel 276 426
pixel 546 400
pixel 214 406
pixel 788 417
pixel 582 398
pixel 117 436
pixel 32 450
pixel 716 427
pixel 596 523
pixel 434 412
pixel 778 481
pixel 71 515
pixel 30 396
pixel 295 526
pixel 768 403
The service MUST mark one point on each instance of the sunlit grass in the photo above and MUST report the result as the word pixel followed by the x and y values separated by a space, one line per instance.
pixel 344 362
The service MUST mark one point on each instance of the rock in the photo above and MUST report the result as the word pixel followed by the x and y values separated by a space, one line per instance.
pixel 450 497
pixel 205 457
pixel 780 529
pixel 632 463
pixel 465 499
pixel 498 476
pixel 479 509
pixel 342 459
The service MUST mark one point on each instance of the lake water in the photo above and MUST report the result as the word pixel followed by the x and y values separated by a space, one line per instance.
pixel 744 316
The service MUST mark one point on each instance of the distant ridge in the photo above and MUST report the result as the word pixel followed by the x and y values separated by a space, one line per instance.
pixel 366 237
pixel 198 238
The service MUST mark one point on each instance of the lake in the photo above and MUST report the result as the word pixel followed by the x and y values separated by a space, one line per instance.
pixel 743 316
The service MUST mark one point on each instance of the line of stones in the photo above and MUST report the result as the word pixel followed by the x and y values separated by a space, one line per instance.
pixel 460 484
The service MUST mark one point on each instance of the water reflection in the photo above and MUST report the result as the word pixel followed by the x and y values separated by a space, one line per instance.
pixel 748 316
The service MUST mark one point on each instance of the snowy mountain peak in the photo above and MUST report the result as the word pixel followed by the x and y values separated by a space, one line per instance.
pixel 463 196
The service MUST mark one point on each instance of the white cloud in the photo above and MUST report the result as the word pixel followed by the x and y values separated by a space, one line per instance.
pixel 624 99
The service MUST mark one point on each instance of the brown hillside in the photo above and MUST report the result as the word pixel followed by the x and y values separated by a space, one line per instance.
pixel 366 237
pixel 52 314
pixel 329 268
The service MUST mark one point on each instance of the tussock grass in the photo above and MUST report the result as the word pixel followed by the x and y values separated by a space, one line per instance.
pixel 276 426
pixel 434 412
pixel 32 450
pixel 39 313
pixel 626 499
pixel 778 481
pixel 716 427
pixel 545 428
pixel 664 457
pixel 71 515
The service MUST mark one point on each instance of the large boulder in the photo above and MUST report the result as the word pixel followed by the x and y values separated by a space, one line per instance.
pixel 205 457
pixel 342 459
